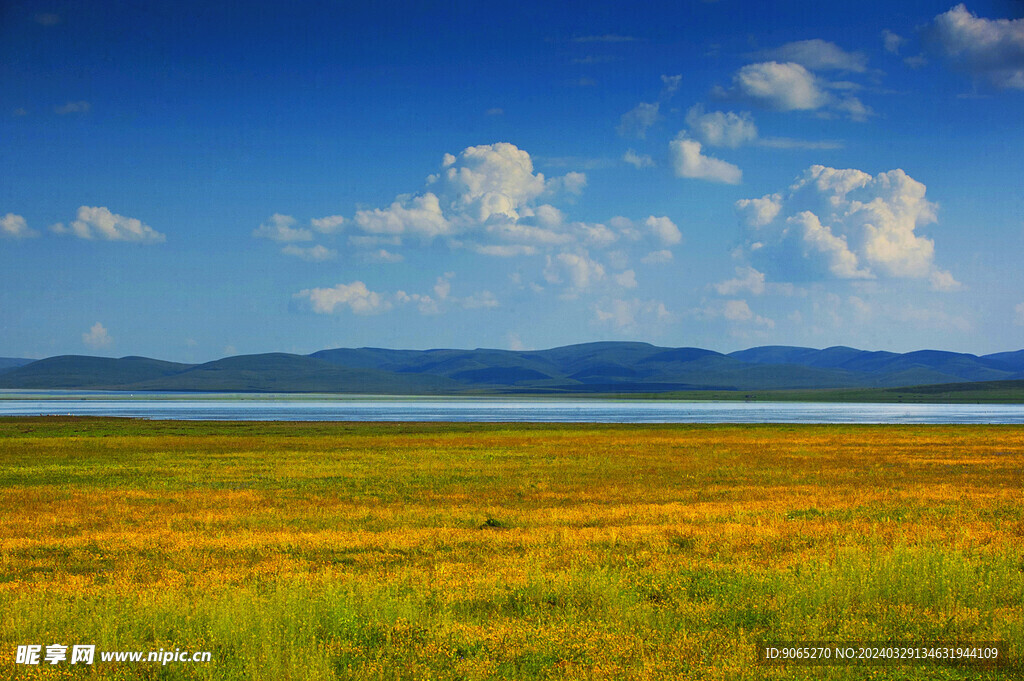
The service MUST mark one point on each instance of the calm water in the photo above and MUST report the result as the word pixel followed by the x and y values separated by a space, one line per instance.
pixel 262 407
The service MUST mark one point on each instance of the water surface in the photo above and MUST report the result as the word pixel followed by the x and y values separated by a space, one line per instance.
pixel 291 407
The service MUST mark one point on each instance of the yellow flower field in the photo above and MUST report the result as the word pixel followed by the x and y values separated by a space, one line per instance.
pixel 478 551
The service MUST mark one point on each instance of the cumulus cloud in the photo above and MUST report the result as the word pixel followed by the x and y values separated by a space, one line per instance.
pixel 783 86
pixel 97 337
pixel 578 270
pixel 312 254
pixel 571 183
pixel 720 128
pixel 747 279
pixel 789 86
pixel 737 311
pixel 383 255
pixel 328 225
pixel 760 212
pixel 690 162
pixel 355 296
pixel 358 299
pixel 846 224
pixel 664 230
pixel 841 261
pixel 988 48
pixel 280 228
pixel 637 160
pixel 97 222
pixel 15 227
pixel 491 179
pixel 818 55
pixel 419 215
pixel 632 314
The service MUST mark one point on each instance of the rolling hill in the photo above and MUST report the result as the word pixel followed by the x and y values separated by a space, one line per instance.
pixel 603 367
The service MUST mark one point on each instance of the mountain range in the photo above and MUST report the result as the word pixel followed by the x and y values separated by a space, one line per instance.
pixel 603 367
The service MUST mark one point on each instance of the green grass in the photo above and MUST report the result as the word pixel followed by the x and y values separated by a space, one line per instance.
pixel 479 551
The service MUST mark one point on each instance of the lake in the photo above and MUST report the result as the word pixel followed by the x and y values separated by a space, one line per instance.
pixel 291 407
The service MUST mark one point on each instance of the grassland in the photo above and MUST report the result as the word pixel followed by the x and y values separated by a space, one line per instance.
pixel 440 551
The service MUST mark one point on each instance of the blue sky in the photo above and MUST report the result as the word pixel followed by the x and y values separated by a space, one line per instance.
pixel 190 180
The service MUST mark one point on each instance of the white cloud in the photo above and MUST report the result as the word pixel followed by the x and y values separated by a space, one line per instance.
pixel 942 280
pixel 847 224
pixel 99 223
pixel 328 225
pixel 892 41
pixel 788 86
pixel 548 216
pixel 990 48
pixel 638 120
pixel 594 234
pixel 760 212
pixel 420 215
pixel 747 279
pixel 97 337
pixel 819 55
pixel 631 314
pixel 73 107
pixel 664 230
pixel 690 162
pixel 312 254
pixel 358 299
pixel 424 303
pixel 355 296
pixel 15 227
pixel 720 128
pixel 570 183
pixel 841 261
pixel 577 269
pixel 638 160
pixel 657 257
pixel 443 285
pixel 384 255
pixel 279 228
pixel 505 251
pixel 736 311
pixel 483 299
pixel 626 279
pixel 780 86
pixel 491 179
pixel 486 200
pixel 1018 314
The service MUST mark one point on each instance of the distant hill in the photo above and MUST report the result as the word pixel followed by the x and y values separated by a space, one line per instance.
pixel 7 363
pixel 604 367
pixel 78 371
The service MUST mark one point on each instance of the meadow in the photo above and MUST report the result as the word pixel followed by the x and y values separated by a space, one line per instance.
pixel 508 551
